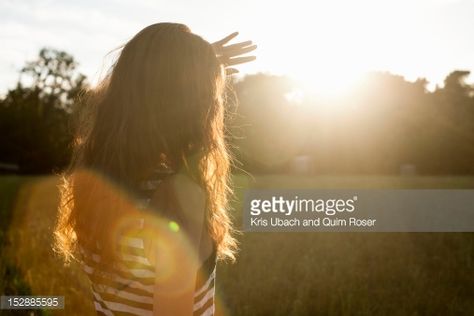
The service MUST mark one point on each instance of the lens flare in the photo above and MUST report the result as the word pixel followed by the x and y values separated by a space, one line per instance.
pixel 30 253
pixel 173 226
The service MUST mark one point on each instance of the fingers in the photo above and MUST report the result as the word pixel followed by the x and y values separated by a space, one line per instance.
pixel 237 45
pixel 225 39
pixel 231 71
pixel 238 49
pixel 228 54
pixel 239 60
pixel 243 47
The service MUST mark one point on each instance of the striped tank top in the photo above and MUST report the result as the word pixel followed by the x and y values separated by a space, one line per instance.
pixel 128 287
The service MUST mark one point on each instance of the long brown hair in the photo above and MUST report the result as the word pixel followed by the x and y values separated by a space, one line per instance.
pixel 162 102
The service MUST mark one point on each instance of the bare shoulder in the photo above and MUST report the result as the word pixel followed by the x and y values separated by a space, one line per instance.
pixel 190 195
pixel 182 194
pixel 187 189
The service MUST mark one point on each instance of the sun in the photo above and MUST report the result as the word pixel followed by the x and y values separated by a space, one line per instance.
pixel 329 57
pixel 328 81
pixel 329 45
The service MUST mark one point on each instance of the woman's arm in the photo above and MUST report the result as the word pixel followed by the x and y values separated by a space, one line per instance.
pixel 175 248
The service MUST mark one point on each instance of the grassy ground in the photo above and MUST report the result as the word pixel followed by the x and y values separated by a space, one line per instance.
pixel 276 273
pixel 33 268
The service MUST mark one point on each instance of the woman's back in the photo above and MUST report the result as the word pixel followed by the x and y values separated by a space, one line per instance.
pixel 128 287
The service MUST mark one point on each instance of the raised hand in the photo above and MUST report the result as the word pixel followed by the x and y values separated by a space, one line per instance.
pixel 231 55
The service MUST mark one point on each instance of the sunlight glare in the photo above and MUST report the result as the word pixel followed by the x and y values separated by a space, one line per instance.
pixel 329 46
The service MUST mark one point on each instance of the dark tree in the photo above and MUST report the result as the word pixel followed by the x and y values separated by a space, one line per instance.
pixel 34 116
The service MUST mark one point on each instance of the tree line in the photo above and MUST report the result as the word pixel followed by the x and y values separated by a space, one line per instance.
pixel 385 126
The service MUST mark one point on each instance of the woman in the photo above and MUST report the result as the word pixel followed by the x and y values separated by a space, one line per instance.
pixel 144 204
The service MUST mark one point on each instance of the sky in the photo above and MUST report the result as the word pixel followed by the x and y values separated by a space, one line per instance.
pixel 326 45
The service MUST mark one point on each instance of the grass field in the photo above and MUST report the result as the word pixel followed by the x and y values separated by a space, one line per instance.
pixel 276 273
